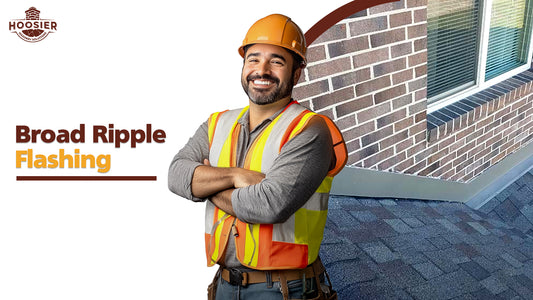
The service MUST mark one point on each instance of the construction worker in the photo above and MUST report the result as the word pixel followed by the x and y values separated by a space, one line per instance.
pixel 265 171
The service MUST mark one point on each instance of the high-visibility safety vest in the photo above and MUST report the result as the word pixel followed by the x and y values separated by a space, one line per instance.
pixel 292 244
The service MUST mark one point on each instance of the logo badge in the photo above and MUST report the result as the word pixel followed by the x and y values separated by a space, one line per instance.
pixel 32 29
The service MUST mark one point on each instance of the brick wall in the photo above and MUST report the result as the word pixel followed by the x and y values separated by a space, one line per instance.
pixel 368 73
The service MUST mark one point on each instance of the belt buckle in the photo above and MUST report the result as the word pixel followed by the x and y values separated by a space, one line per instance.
pixel 235 277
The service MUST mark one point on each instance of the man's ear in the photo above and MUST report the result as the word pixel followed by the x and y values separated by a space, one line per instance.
pixel 296 75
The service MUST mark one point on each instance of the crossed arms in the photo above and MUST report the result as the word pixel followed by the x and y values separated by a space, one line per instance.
pixel 252 196
pixel 219 183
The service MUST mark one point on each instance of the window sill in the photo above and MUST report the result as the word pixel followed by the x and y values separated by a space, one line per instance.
pixel 472 109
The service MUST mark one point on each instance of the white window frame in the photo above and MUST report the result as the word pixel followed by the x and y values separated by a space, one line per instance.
pixel 455 95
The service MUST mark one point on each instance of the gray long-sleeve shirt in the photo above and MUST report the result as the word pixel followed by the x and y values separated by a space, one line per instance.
pixel 295 175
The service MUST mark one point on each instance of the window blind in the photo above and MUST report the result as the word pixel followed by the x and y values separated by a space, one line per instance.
pixel 508 37
pixel 453 40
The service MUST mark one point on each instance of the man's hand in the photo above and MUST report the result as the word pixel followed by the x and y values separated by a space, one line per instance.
pixel 243 177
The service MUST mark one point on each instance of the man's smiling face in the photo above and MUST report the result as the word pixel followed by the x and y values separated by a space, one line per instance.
pixel 267 73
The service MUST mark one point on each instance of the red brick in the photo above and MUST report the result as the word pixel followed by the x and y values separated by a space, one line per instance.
pixel 421 70
pixel 403 124
pixel 329 67
pixel 420 15
pixel 390 93
pixel 332 98
pixel 373 112
pixel 309 90
pixel 348 46
pixel 354 105
pixel 346 122
pixel 358 131
pixel 370 57
pixel 417 107
pixel 417 84
pixel 404 145
pixel 386 164
pixel 415 149
pixel 420 117
pixel 418 127
pixel 350 78
pixel 368 25
pixel 400 19
pixel 375 136
pixel 446 142
pixel 336 32
pixel 376 158
pixel 401 49
pixel 437 156
pixel 390 118
pixel 429 169
pixel 372 85
pixel 420 44
pixel 327 112
pixel 405 164
pixel 316 53
pixel 420 94
pixel 386 7
pixel 416 31
pixel 402 76
pixel 422 136
pixel 402 101
pixel 387 37
pixel 389 67
pixel 417 59
pixel 416 3
pixel 400 136
pixel 416 168
pixel 353 145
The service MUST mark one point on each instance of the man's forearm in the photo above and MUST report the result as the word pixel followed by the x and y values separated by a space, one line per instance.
pixel 208 180
pixel 223 201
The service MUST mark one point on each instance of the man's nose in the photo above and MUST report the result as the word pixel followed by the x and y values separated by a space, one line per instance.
pixel 263 68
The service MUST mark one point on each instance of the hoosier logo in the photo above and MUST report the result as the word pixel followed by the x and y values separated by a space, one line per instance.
pixel 33 28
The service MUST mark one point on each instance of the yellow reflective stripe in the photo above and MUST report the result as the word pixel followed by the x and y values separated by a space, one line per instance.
pixel 259 146
pixel 301 124
pixel 212 124
pixel 224 159
pixel 251 246
pixel 325 186
pixel 309 229
pixel 221 217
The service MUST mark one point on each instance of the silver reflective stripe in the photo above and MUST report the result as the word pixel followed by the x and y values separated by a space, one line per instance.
pixel 271 150
pixel 222 131
pixel 284 232
pixel 209 215
pixel 319 201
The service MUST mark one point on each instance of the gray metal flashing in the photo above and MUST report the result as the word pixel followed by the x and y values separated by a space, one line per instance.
pixel 352 181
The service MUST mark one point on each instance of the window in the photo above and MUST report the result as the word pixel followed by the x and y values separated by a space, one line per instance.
pixel 473 44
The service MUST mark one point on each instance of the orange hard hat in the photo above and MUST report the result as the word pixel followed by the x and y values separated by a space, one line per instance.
pixel 276 30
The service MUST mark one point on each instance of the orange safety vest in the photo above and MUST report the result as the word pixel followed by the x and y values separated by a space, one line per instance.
pixel 292 244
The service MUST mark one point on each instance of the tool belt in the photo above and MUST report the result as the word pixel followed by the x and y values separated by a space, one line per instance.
pixel 313 271
pixel 236 277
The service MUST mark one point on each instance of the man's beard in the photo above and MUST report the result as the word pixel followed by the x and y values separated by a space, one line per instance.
pixel 281 91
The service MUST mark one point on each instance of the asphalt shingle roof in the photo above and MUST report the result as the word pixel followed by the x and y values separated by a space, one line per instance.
pixel 417 249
